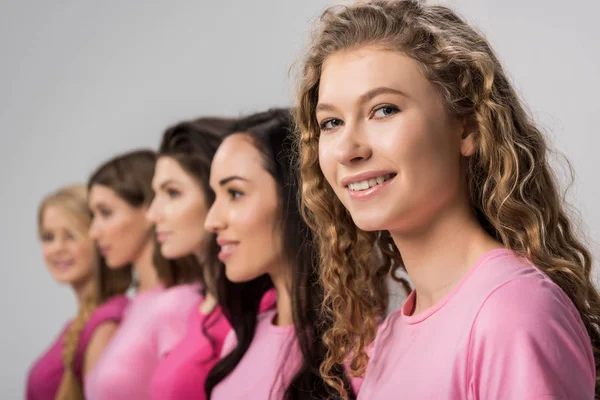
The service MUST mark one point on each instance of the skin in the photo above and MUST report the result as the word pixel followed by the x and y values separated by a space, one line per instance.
pixel 70 255
pixel 245 217
pixel 123 234
pixel 380 116
pixel 178 210
pixel 68 251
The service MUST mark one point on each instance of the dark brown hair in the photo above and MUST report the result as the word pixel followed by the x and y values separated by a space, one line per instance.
pixel 193 144
pixel 130 176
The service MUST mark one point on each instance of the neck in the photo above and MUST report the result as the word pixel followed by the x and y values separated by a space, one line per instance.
pixel 209 281
pixel 284 300
pixel 145 270
pixel 437 257
pixel 84 290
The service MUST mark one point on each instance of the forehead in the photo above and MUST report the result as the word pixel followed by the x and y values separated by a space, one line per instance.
pixel 237 155
pixel 103 194
pixel 59 217
pixel 354 72
pixel 169 168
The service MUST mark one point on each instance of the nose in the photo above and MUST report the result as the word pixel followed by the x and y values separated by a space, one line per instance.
pixel 215 220
pixel 57 245
pixel 352 146
pixel 152 213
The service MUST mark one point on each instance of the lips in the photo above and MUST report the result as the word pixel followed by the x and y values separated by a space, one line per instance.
pixel 369 183
pixel 104 250
pixel 162 236
pixel 228 248
pixel 366 185
pixel 63 264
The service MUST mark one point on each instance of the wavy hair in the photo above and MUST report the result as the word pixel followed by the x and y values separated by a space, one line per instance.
pixel 513 191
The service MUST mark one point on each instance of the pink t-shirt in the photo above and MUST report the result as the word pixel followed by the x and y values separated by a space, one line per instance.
pixel 45 375
pixel 268 366
pixel 182 373
pixel 505 332
pixel 155 322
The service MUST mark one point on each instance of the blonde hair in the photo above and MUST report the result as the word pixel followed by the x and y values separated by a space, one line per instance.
pixel 73 200
pixel 513 190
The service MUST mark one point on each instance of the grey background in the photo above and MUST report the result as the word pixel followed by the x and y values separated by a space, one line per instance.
pixel 82 80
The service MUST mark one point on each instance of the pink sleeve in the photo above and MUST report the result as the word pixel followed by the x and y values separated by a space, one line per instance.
pixel 110 311
pixel 172 312
pixel 528 342
pixel 229 343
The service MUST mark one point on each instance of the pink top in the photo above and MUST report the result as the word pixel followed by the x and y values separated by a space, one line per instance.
pixel 182 373
pixel 268 366
pixel 505 332
pixel 45 375
pixel 154 323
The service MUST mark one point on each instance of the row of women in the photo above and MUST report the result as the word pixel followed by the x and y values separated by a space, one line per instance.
pixel 260 248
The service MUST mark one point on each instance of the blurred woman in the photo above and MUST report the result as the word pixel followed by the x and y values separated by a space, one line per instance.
pixel 120 194
pixel 181 201
pixel 72 259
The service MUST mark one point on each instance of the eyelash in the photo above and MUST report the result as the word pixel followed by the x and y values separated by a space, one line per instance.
pixel 49 237
pixel 173 193
pixel 323 124
pixel 234 194
pixel 105 213
pixel 383 106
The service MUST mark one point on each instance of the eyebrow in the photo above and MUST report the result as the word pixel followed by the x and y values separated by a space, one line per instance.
pixel 365 97
pixel 225 181
pixel 167 182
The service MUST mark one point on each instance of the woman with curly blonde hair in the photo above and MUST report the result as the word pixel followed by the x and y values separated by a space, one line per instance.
pixel 415 146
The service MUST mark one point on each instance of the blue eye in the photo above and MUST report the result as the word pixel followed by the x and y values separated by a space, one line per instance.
pixel 330 124
pixel 385 111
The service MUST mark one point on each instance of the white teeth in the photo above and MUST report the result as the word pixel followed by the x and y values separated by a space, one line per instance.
pixel 369 183
pixel 227 247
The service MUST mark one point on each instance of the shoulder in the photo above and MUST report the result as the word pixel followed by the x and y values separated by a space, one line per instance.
pixel 528 337
pixel 176 300
pixel 110 312
pixel 111 309
pixel 529 304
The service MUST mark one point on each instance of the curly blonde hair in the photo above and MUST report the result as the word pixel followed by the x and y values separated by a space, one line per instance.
pixel 73 200
pixel 513 190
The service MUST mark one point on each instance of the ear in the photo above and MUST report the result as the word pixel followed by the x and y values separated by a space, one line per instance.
pixel 469 141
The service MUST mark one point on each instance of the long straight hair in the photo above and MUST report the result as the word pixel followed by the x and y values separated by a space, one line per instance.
pixel 272 134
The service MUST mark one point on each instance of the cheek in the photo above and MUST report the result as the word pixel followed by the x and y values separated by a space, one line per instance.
pixel 327 161
pixel 46 253
pixel 191 216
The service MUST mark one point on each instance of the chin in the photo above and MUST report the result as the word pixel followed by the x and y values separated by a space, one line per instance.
pixel 116 264
pixel 237 276
pixel 171 253
pixel 368 223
